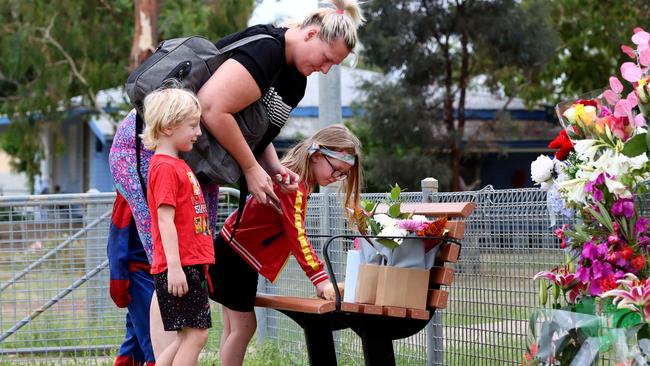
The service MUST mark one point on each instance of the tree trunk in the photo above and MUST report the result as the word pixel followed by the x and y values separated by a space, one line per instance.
pixel 146 32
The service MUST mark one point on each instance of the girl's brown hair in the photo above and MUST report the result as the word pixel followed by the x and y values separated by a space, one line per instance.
pixel 334 137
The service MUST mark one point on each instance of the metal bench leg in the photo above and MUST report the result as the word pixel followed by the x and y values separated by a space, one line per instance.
pixel 377 350
pixel 320 345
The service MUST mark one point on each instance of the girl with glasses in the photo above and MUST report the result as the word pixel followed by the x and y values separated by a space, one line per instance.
pixel 265 238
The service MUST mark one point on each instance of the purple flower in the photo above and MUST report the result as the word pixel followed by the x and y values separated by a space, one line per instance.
pixel 598 195
pixel 623 207
pixel 601 269
pixel 600 179
pixel 589 187
pixel 604 112
pixel 594 252
pixel 583 274
pixel 641 225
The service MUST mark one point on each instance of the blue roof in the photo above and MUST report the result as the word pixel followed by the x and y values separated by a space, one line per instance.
pixel 470 114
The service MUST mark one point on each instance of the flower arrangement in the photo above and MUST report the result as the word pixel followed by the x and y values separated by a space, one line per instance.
pixel 393 225
pixel 597 174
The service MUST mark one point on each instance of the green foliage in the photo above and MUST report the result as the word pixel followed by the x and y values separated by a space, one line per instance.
pixel 590 32
pixel 54 50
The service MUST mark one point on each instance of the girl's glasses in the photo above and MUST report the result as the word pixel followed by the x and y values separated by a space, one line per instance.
pixel 336 174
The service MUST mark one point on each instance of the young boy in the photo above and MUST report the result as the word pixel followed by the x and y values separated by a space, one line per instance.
pixel 182 243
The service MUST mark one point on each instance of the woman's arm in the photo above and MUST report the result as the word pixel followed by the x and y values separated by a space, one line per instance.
pixel 229 90
pixel 176 281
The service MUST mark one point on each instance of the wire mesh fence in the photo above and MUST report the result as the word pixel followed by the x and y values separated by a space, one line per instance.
pixel 54 299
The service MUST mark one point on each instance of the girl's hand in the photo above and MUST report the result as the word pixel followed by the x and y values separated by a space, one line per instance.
pixel 260 186
pixel 176 281
pixel 321 290
pixel 286 179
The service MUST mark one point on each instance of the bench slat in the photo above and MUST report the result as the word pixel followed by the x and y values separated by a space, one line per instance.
pixel 417 314
pixel 350 307
pixel 449 252
pixel 370 309
pixel 456 229
pixel 441 276
pixel 394 311
pixel 449 209
pixel 437 299
pixel 299 304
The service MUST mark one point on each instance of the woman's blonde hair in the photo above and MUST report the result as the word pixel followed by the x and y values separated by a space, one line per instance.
pixel 340 20
pixel 167 108
pixel 334 137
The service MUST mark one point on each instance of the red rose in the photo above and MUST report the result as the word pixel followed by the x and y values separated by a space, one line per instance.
pixel 563 143
pixel 626 252
pixel 586 102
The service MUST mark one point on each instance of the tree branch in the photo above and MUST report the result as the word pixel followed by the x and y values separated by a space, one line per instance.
pixel 78 74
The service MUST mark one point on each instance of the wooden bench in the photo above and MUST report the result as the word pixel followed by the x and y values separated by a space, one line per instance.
pixel 377 325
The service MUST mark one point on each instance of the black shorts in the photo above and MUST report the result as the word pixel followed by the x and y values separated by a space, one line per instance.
pixel 191 310
pixel 234 280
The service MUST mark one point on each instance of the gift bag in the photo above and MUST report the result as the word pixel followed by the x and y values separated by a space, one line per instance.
pixel 366 290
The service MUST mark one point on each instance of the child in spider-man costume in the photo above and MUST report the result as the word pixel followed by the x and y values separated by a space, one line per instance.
pixel 131 285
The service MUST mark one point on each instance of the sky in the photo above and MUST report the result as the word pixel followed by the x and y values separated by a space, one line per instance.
pixel 269 11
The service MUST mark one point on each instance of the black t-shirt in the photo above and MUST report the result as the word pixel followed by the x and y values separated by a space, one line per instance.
pixel 282 85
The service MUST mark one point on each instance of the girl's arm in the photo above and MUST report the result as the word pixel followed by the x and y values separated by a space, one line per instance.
pixel 176 281
pixel 229 90
pixel 293 222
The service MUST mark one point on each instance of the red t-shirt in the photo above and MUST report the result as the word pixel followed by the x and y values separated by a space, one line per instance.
pixel 171 182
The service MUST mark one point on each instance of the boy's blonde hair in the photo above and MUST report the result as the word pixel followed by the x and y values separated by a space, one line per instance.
pixel 334 137
pixel 340 20
pixel 167 108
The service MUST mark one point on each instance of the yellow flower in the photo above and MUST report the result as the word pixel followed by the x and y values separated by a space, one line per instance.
pixel 586 114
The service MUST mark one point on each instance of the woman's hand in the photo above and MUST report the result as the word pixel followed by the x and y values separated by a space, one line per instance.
pixel 261 186
pixel 286 179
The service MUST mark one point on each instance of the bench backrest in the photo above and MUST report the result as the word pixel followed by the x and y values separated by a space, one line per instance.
pixel 440 274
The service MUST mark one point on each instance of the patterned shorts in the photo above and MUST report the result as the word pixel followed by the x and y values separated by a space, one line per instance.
pixel 191 310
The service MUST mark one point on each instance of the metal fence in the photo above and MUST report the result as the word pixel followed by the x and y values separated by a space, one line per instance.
pixel 54 300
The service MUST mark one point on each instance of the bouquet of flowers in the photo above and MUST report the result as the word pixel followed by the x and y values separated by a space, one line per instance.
pixel 597 174
pixel 393 225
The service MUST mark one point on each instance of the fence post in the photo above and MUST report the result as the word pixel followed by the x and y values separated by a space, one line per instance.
pixel 434 328
pixel 95 254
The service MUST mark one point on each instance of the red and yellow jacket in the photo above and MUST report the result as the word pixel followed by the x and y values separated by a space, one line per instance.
pixel 265 239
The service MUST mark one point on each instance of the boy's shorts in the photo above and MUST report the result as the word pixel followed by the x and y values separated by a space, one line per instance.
pixel 191 310
pixel 234 280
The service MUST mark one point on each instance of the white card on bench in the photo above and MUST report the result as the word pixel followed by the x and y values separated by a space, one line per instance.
pixel 351 274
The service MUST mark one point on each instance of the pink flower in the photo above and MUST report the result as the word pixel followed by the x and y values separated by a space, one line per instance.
pixel 412 225
pixel 632 294
pixel 631 72
pixel 628 51
pixel 563 279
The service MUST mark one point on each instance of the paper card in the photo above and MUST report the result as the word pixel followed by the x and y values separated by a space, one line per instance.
pixel 351 275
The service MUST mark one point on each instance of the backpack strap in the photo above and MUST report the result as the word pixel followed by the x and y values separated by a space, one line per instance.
pixel 216 61
pixel 244 41
pixel 139 126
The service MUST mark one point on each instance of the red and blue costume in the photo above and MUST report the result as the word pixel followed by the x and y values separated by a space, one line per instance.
pixel 131 285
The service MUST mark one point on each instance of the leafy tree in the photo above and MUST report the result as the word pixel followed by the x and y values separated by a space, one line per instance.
pixel 430 51
pixel 54 50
